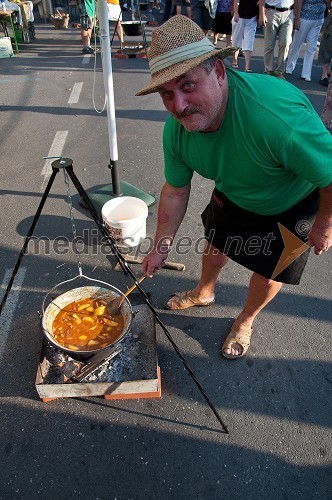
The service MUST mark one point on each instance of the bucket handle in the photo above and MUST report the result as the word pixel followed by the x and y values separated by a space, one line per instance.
pixel 79 276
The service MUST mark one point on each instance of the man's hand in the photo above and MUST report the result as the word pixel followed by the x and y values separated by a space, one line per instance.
pixel 153 261
pixel 262 21
pixel 320 238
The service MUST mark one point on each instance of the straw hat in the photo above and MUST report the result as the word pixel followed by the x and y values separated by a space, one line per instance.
pixel 178 46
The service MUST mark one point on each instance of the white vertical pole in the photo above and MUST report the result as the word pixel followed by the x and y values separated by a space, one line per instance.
pixel 102 14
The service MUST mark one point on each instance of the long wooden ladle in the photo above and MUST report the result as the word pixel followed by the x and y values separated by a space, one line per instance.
pixel 115 304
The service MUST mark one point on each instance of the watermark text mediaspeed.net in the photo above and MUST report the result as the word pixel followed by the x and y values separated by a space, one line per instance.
pixel 91 243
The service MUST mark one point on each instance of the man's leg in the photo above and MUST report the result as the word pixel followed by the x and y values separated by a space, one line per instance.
pixel 299 38
pixel 237 36
pixel 261 292
pixel 168 10
pixel 228 40
pixel 188 12
pixel 212 262
pixel 285 38
pixel 270 37
pixel 247 58
pixel 86 31
pixel 325 73
pixel 250 26
pixel 86 38
pixel 313 30
pixel 119 32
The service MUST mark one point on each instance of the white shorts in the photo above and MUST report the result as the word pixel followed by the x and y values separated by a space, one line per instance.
pixel 114 12
pixel 243 33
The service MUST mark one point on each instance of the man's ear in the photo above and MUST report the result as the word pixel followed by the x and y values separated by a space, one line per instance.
pixel 220 70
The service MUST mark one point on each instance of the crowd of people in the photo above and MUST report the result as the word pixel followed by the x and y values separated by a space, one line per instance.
pixel 290 23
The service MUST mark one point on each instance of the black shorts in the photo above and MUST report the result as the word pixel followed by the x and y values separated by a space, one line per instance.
pixel 86 22
pixel 273 246
pixel 181 3
pixel 222 23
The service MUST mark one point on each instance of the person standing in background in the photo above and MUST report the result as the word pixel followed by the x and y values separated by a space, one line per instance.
pixel 325 50
pixel 276 17
pixel 201 15
pixel 244 26
pixel 183 3
pixel 87 24
pixel 222 23
pixel 168 10
pixel 327 109
pixel 308 21
pixel 115 16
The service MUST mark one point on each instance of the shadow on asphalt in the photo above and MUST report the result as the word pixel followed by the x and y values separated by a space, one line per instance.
pixel 106 458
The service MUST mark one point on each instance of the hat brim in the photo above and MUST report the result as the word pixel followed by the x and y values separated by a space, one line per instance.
pixel 178 69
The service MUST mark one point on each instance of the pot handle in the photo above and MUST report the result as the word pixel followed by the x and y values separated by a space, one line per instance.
pixel 79 276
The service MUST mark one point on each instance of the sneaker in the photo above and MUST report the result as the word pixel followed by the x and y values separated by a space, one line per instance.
pixel 88 50
pixel 288 72
pixel 324 82
pixel 306 79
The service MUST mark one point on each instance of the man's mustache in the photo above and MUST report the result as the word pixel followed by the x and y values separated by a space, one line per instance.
pixel 188 111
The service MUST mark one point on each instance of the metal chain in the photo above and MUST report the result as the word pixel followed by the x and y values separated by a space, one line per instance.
pixel 73 225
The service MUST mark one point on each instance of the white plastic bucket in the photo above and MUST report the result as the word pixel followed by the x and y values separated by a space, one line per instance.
pixel 125 219
pixel 6 49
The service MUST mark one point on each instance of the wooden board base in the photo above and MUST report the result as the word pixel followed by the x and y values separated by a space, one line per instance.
pixel 138 395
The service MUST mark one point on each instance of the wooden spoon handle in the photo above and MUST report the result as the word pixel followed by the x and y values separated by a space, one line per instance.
pixel 134 285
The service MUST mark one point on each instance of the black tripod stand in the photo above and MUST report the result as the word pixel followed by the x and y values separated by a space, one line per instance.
pixel 67 164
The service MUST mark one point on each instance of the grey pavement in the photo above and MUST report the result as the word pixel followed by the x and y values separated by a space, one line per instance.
pixel 276 401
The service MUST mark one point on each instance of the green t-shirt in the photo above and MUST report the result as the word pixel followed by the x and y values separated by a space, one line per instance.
pixel 270 151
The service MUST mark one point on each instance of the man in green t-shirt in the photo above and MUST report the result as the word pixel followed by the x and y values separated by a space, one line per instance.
pixel 259 139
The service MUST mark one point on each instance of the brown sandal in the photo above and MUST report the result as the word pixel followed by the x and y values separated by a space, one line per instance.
pixel 242 337
pixel 183 300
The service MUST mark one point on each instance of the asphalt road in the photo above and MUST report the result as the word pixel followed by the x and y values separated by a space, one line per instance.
pixel 276 402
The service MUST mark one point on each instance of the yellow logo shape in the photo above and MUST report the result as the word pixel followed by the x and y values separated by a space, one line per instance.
pixel 294 247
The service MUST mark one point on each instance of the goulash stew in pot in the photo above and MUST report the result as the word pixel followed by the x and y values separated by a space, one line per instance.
pixel 84 325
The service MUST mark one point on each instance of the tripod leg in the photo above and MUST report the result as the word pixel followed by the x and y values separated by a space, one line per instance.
pixel 28 237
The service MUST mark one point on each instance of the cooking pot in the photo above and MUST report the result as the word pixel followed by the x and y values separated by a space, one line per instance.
pixel 133 28
pixel 86 292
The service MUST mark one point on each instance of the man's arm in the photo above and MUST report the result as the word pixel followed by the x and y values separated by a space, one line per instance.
pixel 320 236
pixel 172 208
pixel 297 11
pixel 261 16
pixel 236 10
